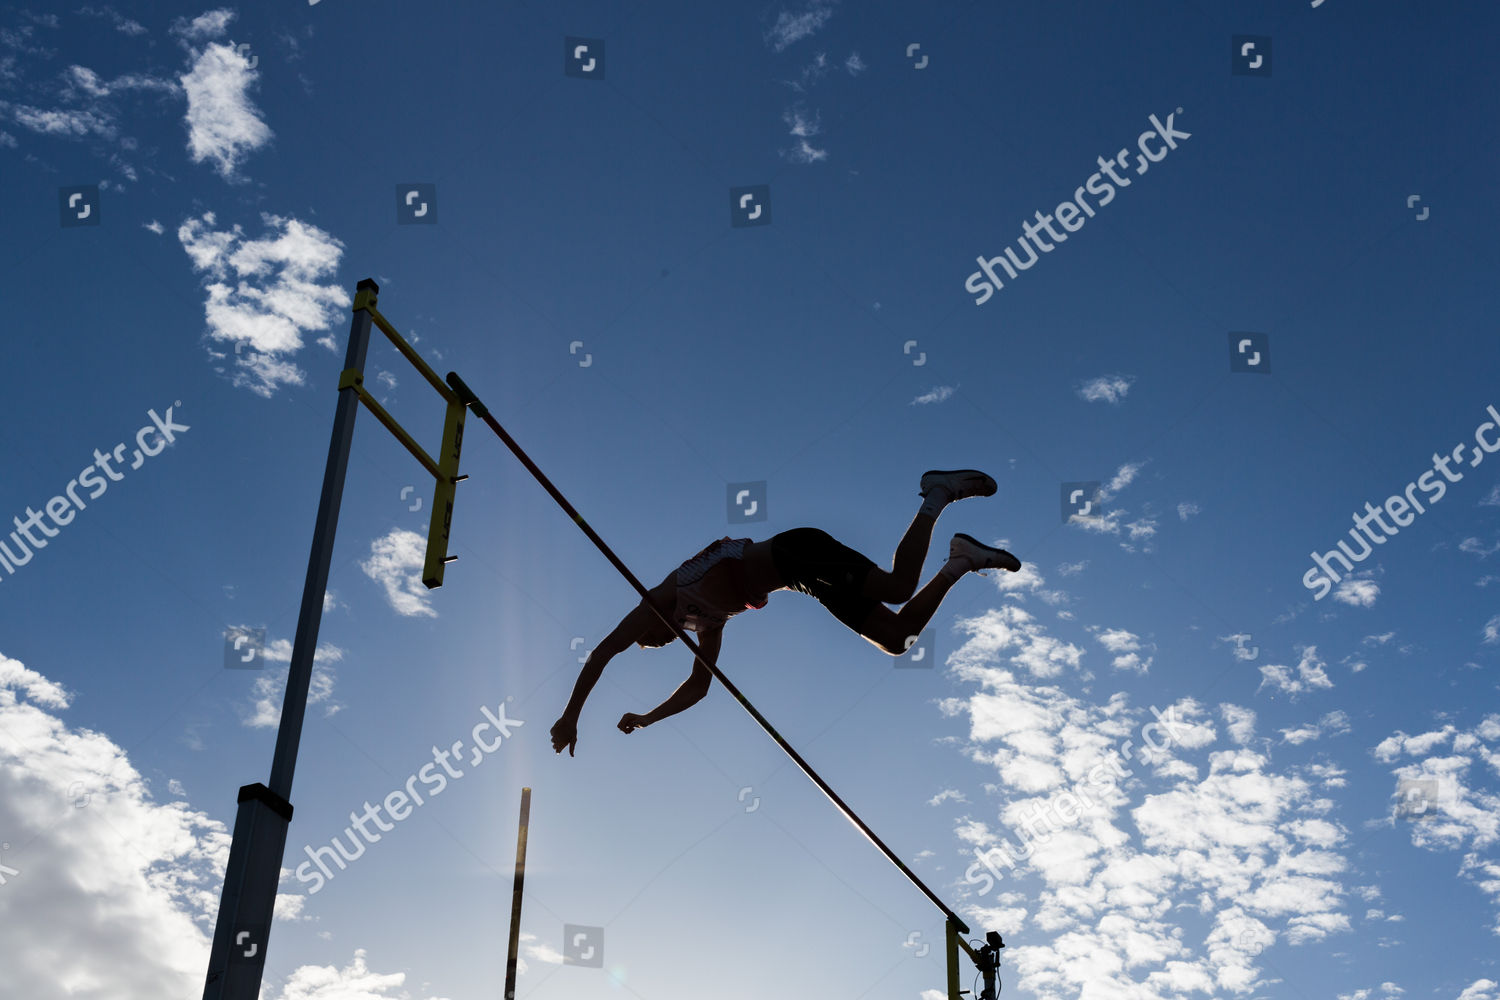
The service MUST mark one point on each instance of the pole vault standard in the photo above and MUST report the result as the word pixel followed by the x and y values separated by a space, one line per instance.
pixel 237 957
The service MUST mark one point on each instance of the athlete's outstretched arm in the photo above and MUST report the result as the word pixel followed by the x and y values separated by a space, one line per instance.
pixel 689 692
pixel 565 730
pixel 638 623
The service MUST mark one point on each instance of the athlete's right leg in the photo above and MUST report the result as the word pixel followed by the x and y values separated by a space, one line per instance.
pixel 938 490
pixel 901 582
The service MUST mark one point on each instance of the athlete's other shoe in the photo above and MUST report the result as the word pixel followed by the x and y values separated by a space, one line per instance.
pixel 981 556
pixel 960 484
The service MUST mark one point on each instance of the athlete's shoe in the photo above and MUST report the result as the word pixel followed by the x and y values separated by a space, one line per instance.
pixel 960 484
pixel 981 556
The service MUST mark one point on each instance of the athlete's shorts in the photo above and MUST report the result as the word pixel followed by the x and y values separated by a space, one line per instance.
pixel 817 564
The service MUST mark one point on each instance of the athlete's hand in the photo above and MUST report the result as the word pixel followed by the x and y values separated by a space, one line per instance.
pixel 564 734
pixel 630 722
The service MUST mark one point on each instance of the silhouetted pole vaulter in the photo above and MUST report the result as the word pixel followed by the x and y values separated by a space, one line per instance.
pixel 515 901
pixel 734 575
pixel 956 925
pixel 242 930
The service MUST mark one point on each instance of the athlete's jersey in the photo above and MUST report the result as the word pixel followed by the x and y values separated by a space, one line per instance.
pixel 707 594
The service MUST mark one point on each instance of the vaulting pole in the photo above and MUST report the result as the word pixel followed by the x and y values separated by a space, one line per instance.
pixel 515 902
pixel 482 412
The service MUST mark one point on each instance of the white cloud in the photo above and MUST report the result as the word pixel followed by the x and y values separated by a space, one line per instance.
pixel 1310 674
pixel 1475 547
pixel 1330 775
pixel 1123 477
pixel 813 72
pixel 262 294
pixel 354 981
pixel 791 28
pixel 945 795
pixel 1107 885
pixel 107 893
pixel 122 24
pixel 854 64
pixel 1481 989
pixel 69 124
pixel 396 564
pixel 1187 509
pixel 16 676
pixel 1127 645
pixel 532 947
pixel 935 395
pixel 1360 593
pixel 224 126
pixel 1492 630
pixel 1241 723
pixel 1111 522
pixel 1387 990
pixel 1460 802
pixel 80 82
pixel 799 124
pixel 270 685
pixel 805 152
pixel 1012 628
pixel 1108 388
pixel 208 25
pixel 1335 723
pixel 1027 580
pixel 1395 746
pixel 1485 874
pixel 89 104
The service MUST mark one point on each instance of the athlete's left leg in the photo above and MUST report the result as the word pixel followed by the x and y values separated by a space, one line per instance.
pixel 895 631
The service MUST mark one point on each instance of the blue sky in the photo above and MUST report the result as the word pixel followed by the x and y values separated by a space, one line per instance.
pixel 1324 809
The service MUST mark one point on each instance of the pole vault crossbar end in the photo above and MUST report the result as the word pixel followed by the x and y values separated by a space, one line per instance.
pixel 986 960
pixel 466 395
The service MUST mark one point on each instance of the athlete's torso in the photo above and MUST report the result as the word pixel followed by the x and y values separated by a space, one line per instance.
pixel 714 586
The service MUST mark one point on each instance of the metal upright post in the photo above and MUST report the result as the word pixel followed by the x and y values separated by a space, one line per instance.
pixel 237 958
pixel 515 902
